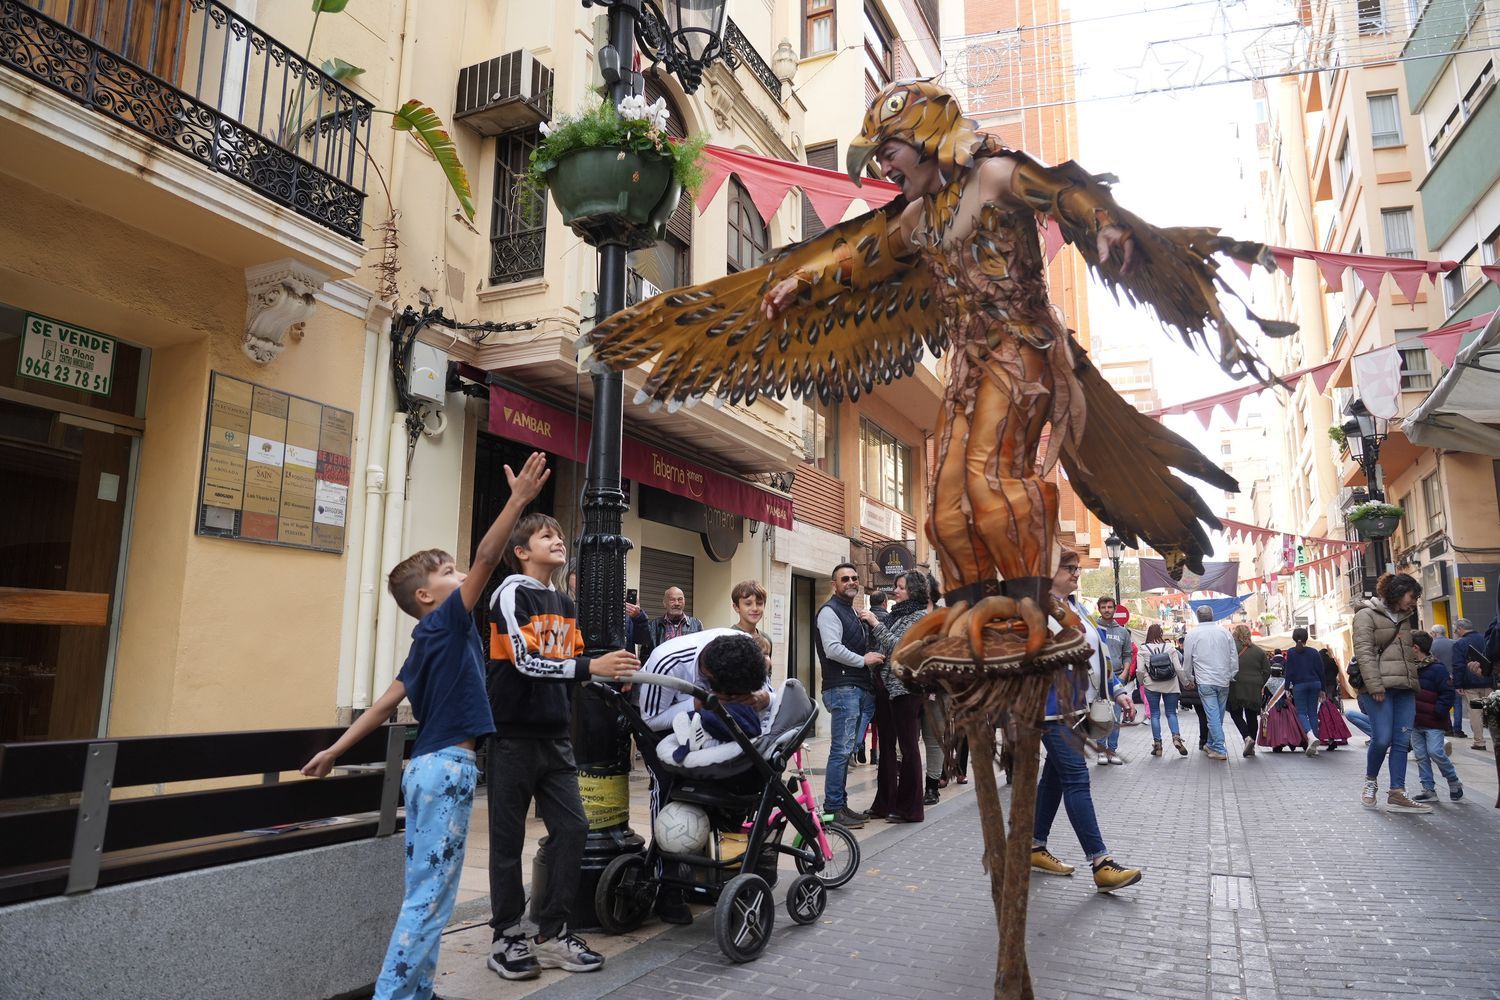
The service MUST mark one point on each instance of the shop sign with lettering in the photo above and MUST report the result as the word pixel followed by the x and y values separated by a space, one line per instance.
pixel 66 355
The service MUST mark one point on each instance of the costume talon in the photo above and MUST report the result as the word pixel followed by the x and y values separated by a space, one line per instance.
pixel 969 275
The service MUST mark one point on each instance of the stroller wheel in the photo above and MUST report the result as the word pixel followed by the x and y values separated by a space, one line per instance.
pixel 625 894
pixel 744 917
pixel 839 869
pixel 805 899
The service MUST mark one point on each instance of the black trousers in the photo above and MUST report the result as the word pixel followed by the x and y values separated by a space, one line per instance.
pixel 898 787
pixel 1246 720
pixel 1202 724
pixel 521 770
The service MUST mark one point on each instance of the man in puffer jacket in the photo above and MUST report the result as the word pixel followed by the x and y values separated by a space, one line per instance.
pixel 1434 708
pixel 1388 688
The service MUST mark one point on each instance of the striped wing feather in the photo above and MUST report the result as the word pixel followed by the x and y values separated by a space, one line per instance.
pixel 837 340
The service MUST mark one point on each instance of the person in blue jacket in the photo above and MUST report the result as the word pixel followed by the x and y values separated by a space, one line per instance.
pixel 1435 700
pixel 1065 773
pixel 1304 675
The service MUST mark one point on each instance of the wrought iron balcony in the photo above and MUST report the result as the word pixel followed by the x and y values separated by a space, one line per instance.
pixel 196 77
pixel 738 50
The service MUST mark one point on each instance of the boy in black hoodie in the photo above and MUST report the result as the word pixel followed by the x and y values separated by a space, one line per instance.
pixel 536 656
pixel 1434 707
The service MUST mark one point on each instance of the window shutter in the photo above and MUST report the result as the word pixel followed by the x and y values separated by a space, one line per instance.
pixel 827 157
pixel 661 569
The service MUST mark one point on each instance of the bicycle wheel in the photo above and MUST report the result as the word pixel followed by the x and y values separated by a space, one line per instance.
pixel 840 868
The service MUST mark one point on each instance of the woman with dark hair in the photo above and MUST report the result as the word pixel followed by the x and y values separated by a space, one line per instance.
pixel 1304 675
pixel 1388 685
pixel 1332 728
pixel 898 712
pixel 1247 690
pixel 1159 676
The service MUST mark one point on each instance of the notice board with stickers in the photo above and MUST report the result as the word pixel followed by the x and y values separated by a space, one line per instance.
pixel 275 467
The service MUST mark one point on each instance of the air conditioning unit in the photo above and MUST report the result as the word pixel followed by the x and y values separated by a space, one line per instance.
pixel 506 93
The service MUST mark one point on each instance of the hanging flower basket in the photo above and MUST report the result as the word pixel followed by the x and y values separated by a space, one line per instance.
pixel 614 173
pixel 1375 520
pixel 613 195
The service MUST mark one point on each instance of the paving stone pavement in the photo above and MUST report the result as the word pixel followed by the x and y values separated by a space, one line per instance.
pixel 1265 878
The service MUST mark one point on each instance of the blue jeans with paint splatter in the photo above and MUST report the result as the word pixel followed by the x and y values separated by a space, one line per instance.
pixel 439 789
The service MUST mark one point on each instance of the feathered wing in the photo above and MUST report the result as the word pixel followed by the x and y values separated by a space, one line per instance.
pixel 1121 468
pixel 866 321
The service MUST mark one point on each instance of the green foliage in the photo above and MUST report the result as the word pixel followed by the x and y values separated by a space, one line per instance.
pixel 1337 436
pixel 1360 512
pixel 601 125
pixel 424 123
pixel 329 6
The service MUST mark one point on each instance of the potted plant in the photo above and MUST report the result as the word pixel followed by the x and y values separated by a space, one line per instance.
pixel 1337 435
pixel 614 173
pixel 1374 519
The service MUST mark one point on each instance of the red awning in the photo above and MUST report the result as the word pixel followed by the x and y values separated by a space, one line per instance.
pixel 553 430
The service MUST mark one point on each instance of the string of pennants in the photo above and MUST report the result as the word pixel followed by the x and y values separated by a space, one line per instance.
pixel 1329 556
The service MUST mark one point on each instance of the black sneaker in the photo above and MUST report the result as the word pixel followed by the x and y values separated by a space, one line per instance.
pixel 513 956
pixel 851 820
pixel 859 755
pixel 568 952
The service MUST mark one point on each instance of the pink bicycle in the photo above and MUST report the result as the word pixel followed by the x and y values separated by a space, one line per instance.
pixel 836 843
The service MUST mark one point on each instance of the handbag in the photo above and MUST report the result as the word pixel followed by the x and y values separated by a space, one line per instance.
pixel 1356 674
pixel 1100 721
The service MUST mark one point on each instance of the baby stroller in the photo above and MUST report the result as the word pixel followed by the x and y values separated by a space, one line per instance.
pixel 749 803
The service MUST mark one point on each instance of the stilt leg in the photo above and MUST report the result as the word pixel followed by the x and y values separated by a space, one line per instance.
pixel 1012 977
pixel 1028 710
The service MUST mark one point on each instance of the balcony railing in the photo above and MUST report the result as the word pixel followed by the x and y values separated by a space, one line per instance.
pixel 738 51
pixel 195 76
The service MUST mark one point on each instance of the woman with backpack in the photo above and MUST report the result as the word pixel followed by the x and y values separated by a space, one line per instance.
pixel 1387 685
pixel 1159 678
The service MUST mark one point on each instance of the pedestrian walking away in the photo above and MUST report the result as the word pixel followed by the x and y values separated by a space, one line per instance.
pixel 1163 687
pixel 1387 685
pixel 1210 661
pixel 1247 692
pixel 1304 675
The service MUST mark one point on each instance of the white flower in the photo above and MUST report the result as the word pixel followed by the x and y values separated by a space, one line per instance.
pixel 632 108
pixel 545 129
pixel 658 113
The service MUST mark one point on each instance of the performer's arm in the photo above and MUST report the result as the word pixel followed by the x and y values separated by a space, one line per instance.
pixel 1082 206
pixel 834 268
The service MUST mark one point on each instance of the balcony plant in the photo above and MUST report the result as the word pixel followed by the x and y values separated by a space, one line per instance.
pixel 1337 435
pixel 1375 519
pixel 614 173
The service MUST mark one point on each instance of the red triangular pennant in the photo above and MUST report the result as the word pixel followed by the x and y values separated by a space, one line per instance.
pixel 1321 375
pixel 1410 282
pixel 1333 269
pixel 1371 277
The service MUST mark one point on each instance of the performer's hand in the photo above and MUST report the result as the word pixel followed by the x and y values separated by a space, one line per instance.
pixel 1113 238
pixel 779 297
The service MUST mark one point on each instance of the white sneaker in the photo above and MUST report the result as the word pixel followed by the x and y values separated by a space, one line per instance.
pixel 1313 745
pixel 1103 759
pixel 568 952
pixel 1367 797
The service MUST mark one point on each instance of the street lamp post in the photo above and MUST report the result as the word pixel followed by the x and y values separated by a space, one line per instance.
pixel 1116 549
pixel 1364 433
pixel 686 37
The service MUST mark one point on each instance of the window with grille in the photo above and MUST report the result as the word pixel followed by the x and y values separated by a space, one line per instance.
pixel 886 472
pixel 1416 363
pixel 817 27
pixel 825 155
pixel 1345 166
pixel 1400 236
pixel 1371 16
pixel 1385 121
pixel 1432 503
pixel 518 217
pixel 748 238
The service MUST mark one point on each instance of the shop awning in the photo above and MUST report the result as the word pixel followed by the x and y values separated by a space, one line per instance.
pixel 558 432
pixel 1462 412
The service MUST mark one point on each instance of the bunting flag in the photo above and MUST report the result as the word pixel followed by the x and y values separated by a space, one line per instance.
pixel 1377 378
pixel 1406 272
pixel 829 192
pixel 1219 577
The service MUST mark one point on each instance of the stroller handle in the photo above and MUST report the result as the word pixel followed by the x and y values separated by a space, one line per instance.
pixel 674 683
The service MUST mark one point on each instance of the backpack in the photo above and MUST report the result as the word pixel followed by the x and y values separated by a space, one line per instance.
pixel 1159 667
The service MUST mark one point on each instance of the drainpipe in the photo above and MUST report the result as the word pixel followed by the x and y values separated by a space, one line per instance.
pixel 390 552
pixel 354 566
pixel 371 536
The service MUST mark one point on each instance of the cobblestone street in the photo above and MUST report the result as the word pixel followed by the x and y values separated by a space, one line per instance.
pixel 1264 879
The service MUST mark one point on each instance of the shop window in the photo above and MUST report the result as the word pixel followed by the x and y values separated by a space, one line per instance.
pixel 748 238
pixel 817 27
pixel 1385 121
pixel 1416 364
pixel 820 435
pixel 1400 236
pixel 518 216
pixel 886 471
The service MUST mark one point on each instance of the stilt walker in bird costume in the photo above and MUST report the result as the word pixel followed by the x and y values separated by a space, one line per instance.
pixel 956 263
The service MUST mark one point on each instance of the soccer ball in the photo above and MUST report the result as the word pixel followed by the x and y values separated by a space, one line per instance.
pixel 681 828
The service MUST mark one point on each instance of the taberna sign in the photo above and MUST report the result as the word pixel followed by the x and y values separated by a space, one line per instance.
pixel 894 558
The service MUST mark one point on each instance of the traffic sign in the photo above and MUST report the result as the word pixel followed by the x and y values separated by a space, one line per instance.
pixel 1122 615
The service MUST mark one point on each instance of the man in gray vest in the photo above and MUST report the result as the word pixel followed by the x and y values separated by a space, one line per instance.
pixel 843 646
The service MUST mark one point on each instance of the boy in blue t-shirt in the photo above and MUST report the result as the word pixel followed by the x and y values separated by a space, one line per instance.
pixel 443 678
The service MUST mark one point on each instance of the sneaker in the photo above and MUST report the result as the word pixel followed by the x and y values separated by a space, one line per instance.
pixel 568 952
pixel 1367 797
pixel 1313 745
pixel 1156 748
pixel 1181 746
pixel 1455 790
pixel 1043 860
pixel 1109 876
pixel 1425 795
pixel 1478 746
pixel 1215 755
pixel 1117 760
pixel 1396 801
pixel 1249 750
pixel 512 955
pixel 1103 759
pixel 852 820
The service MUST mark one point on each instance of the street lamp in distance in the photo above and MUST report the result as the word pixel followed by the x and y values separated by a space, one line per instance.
pixel 1116 549
pixel 1365 432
